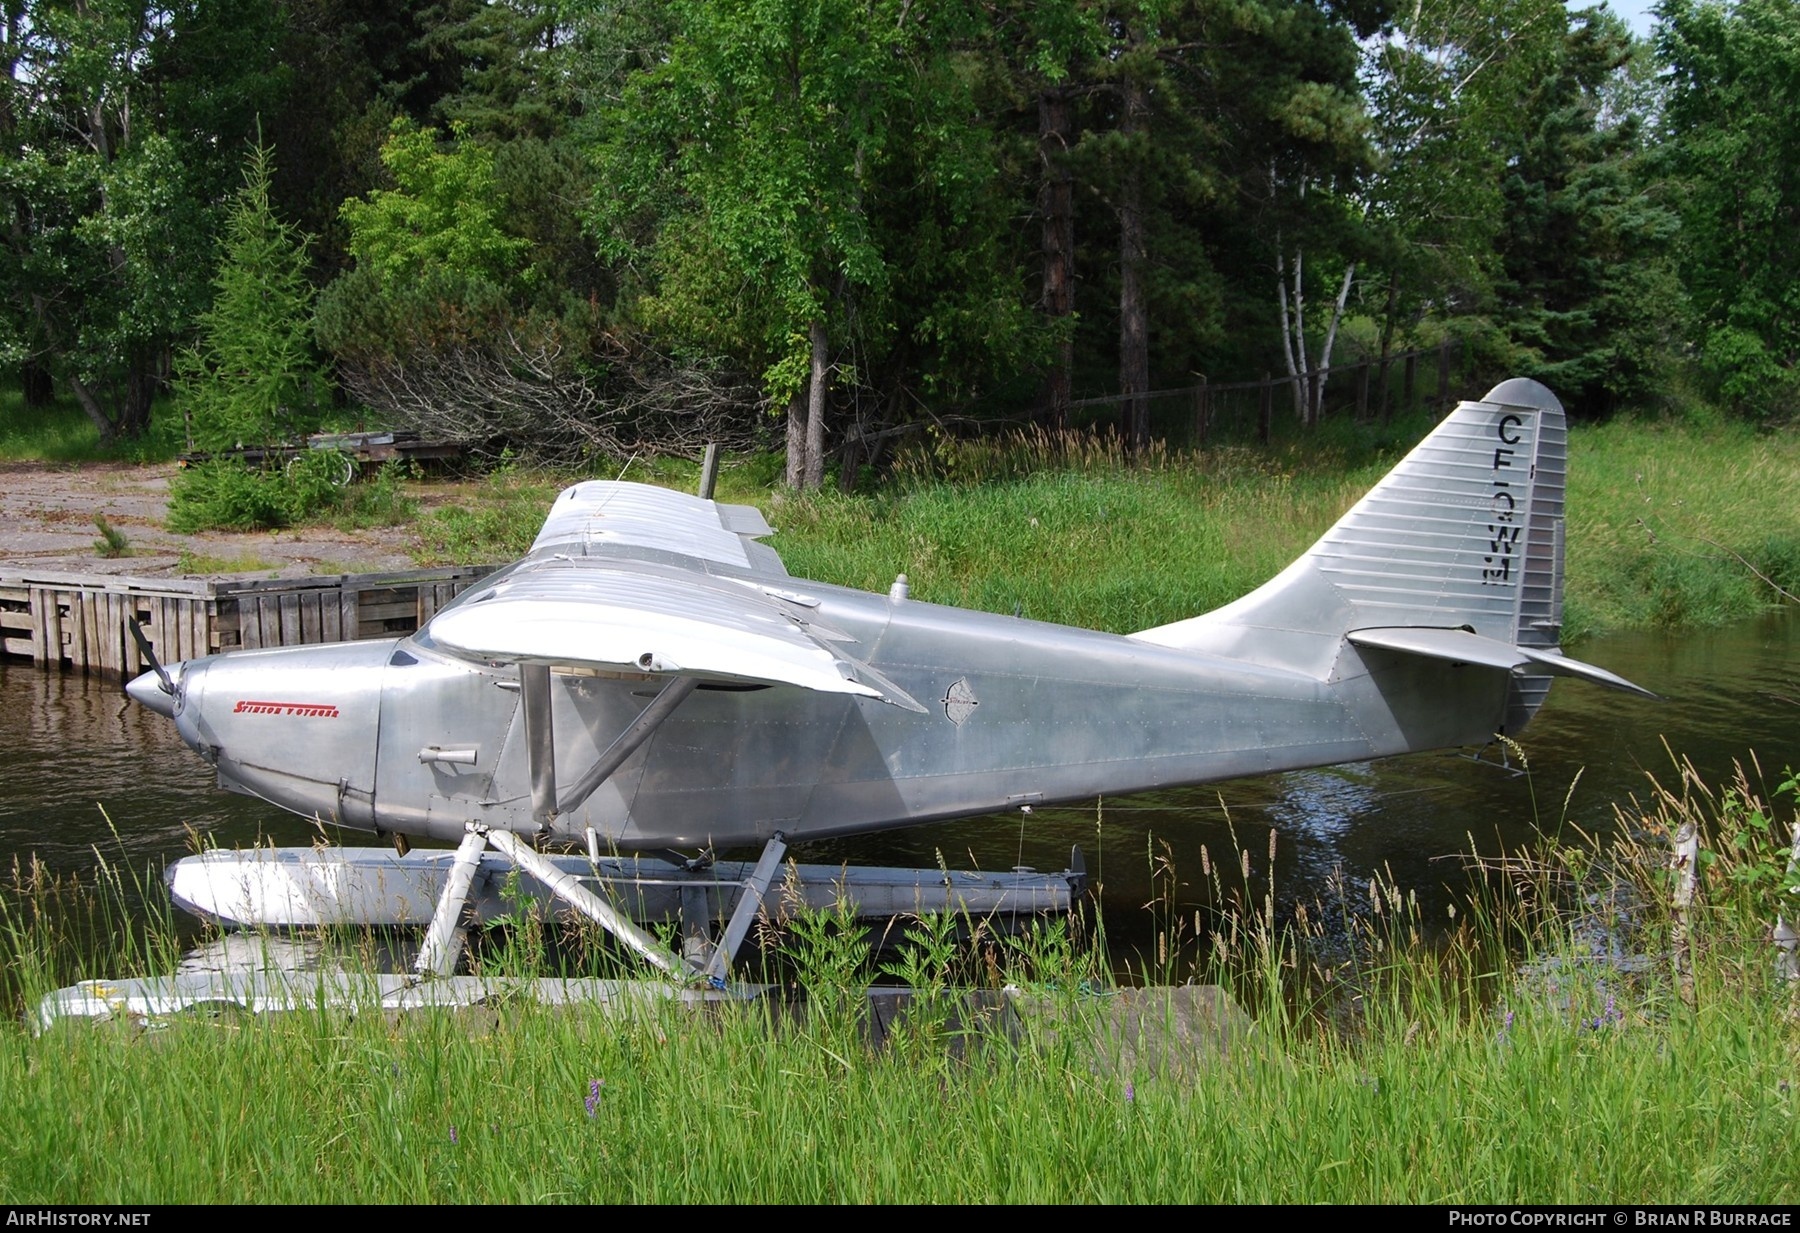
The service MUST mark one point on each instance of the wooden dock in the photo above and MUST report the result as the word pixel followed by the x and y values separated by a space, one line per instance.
pixel 78 622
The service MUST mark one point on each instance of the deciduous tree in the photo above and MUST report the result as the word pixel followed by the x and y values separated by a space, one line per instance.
pixel 121 122
pixel 1731 137
pixel 810 186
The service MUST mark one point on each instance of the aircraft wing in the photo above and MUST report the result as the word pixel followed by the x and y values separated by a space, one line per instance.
pixel 1463 646
pixel 601 517
pixel 621 579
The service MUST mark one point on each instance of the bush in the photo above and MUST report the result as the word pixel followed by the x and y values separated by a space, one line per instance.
pixel 224 494
pixel 227 495
pixel 314 482
pixel 378 503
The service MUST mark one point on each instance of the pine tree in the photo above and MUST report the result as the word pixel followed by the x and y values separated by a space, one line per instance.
pixel 253 377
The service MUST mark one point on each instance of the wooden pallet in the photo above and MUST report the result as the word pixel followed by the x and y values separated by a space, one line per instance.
pixel 78 622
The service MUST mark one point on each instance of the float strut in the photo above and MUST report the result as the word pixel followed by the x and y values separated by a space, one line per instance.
pixel 444 940
pixel 749 902
pixel 566 887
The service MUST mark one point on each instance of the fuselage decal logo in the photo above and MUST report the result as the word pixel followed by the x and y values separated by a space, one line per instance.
pixel 306 710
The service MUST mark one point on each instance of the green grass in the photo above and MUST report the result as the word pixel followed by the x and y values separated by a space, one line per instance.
pixel 330 1108
pixel 496 521
pixel 1668 526
pixel 191 562
pixel 57 433
pixel 1500 1063
pixel 1085 542
pixel 1119 552
pixel 1671 525
pixel 62 432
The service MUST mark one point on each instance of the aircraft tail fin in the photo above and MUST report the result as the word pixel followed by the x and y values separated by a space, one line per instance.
pixel 1463 537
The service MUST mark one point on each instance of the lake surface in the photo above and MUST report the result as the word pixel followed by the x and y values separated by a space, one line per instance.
pixel 84 771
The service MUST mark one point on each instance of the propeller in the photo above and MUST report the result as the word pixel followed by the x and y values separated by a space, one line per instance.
pixel 143 643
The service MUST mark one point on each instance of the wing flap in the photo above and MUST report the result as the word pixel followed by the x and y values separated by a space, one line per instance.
pixel 1465 647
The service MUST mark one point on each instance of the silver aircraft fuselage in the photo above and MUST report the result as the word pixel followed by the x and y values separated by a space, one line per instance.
pixel 762 704
pixel 397 736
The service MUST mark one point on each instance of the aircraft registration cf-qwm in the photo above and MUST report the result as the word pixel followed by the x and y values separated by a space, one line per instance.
pixel 650 679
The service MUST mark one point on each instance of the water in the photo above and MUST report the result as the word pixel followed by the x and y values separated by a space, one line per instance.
pixel 1728 694
pixel 76 756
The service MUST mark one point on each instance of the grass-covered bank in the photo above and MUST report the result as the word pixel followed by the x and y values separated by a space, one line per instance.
pixel 1672 526
pixel 1667 524
pixel 1535 1105
pixel 1538 1047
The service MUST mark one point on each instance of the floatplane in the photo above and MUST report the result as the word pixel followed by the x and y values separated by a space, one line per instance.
pixel 649 685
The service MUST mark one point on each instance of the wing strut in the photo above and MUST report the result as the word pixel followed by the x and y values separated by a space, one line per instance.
pixel 625 744
pixel 438 955
pixel 540 741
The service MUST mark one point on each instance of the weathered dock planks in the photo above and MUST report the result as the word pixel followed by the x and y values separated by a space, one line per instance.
pixel 78 622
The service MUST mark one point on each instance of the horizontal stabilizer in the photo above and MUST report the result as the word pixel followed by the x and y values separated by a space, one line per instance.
pixel 1463 646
